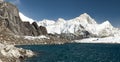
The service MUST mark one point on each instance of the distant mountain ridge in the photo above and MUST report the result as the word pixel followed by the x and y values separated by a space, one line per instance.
pixel 78 26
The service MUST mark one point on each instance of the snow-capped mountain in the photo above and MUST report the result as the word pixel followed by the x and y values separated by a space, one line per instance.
pixel 77 25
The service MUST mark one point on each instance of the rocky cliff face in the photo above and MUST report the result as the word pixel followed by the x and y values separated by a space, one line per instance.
pixel 11 22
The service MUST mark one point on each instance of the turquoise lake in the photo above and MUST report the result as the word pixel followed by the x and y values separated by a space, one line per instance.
pixel 75 53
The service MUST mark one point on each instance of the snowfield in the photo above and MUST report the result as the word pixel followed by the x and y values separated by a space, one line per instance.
pixel 99 40
pixel 36 37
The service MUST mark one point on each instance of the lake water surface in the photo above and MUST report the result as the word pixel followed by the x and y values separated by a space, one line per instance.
pixel 75 53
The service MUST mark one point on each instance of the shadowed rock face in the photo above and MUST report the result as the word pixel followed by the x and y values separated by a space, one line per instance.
pixel 11 22
pixel 42 30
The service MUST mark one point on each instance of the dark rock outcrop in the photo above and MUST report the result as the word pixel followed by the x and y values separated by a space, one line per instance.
pixel 43 30
pixel 11 22
pixel 31 31
pixel 35 25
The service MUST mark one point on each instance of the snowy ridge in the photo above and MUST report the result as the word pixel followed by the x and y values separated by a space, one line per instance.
pixel 76 25
pixel 68 26
pixel 100 40
pixel 25 18
pixel 82 23
pixel 46 22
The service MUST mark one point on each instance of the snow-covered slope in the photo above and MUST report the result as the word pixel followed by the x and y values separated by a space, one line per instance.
pixel 25 18
pixel 100 40
pixel 75 26
pixel 46 22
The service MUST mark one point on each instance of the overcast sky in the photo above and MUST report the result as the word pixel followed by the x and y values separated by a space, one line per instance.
pixel 100 10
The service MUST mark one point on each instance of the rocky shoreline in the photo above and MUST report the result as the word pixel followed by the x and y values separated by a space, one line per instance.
pixel 10 53
pixel 9 41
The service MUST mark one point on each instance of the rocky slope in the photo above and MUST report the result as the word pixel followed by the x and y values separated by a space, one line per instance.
pixel 10 27
pixel 11 22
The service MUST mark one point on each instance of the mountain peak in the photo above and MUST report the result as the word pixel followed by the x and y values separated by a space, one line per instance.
pixel 85 18
pixel 46 22
pixel 107 24
pixel 61 20
pixel 85 15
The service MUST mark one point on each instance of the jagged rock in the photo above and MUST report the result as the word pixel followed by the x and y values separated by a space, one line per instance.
pixel 35 25
pixel 43 30
pixel 11 22
pixel 31 31
pixel 40 30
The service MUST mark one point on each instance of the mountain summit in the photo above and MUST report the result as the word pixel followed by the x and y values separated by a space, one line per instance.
pixel 86 19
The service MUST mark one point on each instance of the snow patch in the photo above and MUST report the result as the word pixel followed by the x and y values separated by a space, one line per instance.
pixel 46 22
pixel 25 18
pixel 100 40
pixel 36 37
